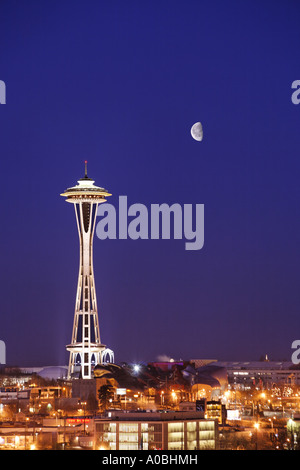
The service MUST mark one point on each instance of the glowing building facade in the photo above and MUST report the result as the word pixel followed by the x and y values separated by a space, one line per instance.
pixel 172 431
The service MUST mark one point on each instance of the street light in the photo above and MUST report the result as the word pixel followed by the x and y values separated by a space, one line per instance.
pixel 291 429
pixel 256 425
pixel 136 368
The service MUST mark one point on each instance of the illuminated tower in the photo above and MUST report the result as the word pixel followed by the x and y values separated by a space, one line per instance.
pixel 86 349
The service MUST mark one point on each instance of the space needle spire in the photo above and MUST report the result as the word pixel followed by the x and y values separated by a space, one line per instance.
pixel 86 349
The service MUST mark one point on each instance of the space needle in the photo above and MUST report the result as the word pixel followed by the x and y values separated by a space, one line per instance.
pixel 86 349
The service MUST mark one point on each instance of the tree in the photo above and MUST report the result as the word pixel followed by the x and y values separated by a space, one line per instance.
pixel 105 394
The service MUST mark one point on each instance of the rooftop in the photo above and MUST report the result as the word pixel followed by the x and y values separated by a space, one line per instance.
pixel 117 415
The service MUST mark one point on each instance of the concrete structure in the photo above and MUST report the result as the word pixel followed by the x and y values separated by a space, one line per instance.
pixel 86 349
pixel 156 431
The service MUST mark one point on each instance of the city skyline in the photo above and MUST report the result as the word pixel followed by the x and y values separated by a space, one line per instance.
pixel 121 86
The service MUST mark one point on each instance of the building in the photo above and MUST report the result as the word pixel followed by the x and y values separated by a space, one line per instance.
pixel 261 373
pixel 47 372
pixel 216 410
pixel 156 431
pixel 212 409
pixel 173 431
pixel 86 349
pixel 71 433
pixel 293 431
pixel 10 394
pixel 207 379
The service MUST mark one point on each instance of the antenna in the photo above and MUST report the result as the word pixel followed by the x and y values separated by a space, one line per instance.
pixel 85 164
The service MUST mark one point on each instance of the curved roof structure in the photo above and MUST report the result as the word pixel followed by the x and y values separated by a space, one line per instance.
pixel 118 373
pixel 85 188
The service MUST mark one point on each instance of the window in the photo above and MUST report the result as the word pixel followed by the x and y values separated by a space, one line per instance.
pixel 176 436
pixel 107 437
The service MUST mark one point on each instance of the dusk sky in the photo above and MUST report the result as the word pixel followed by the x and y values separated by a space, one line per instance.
pixel 119 84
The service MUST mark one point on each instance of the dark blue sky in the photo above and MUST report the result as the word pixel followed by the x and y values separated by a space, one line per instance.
pixel 120 83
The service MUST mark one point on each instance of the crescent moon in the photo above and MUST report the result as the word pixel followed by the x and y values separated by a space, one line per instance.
pixel 197 131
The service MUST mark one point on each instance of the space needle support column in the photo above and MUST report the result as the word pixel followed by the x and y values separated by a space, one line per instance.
pixel 85 347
